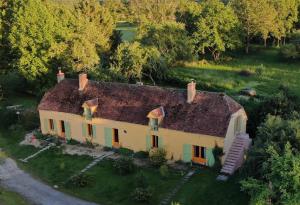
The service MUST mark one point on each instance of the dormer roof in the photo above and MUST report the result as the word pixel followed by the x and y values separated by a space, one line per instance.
pixel 157 113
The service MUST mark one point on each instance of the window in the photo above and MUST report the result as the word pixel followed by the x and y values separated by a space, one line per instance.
pixel 154 141
pixel 199 152
pixel 62 126
pixel 90 130
pixel 154 124
pixel 116 135
pixel 51 123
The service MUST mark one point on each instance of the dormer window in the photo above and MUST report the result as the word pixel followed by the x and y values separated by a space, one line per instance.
pixel 155 118
pixel 154 124
pixel 89 108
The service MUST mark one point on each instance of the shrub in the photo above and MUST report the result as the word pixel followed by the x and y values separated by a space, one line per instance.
pixel 290 51
pixel 2 157
pixel 141 180
pixel 245 73
pixel 164 171
pixel 107 149
pixel 125 151
pixel 142 194
pixel 8 117
pixel 157 156
pixel 30 120
pixel 259 71
pixel 124 165
pixel 80 181
pixel 141 154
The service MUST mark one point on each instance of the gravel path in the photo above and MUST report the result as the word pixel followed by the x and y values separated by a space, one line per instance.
pixel 33 190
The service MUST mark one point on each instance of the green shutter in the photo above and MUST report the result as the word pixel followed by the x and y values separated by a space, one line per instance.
pixel 108 137
pixel 210 157
pixel 160 142
pixel 55 126
pixel 94 131
pixel 87 113
pixel 46 125
pixel 187 153
pixel 67 130
pixel 148 142
pixel 84 133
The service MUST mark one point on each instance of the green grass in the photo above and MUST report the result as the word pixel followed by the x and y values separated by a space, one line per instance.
pixel 127 30
pixel 205 190
pixel 110 188
pixel 225 77
pixel 11 198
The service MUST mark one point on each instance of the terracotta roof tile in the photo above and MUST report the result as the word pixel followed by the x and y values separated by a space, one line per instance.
pixel 208 114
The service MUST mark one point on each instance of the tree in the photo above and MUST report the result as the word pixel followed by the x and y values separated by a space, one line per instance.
pixel 286 18
pixel 189 14
pixel 31 35
pixel 87 35
pixel 128 61
pixel 216 28
pixel 252 15
pixel 169 38
pixel 118 9
pixel 280 180
pixel 155 11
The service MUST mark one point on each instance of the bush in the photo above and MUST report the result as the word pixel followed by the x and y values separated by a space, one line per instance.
pixel 125 151
pixel 124 165
pixel 290 51
pixel 245 73
pixel 141 154
pixel 142 194
pixel 106 149
pixel 157 156
pixel 80 181
pixel 8 117
pixel 30 120
pixel 164 171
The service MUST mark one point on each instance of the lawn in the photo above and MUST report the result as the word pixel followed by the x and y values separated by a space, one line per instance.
pixel 205 190
pixel 267 72
pixel 127 30
pixel 11 198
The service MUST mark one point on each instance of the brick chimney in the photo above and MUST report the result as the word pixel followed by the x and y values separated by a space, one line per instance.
pixel 60 76
pixel 83 80
pixel 191 91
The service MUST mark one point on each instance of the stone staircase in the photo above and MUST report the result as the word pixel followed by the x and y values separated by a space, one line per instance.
pixel 235 156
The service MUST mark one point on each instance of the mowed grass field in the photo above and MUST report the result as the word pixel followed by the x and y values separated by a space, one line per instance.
pixel 11 198
pixel 265 72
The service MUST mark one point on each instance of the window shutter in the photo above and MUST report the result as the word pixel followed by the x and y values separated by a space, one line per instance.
pixel 108 137
pixel 187 153
pixel 210 159
pixel 55 126
pixel 160 142
pixel 68 130
pixel 148 142
pixel 94 131
pixel 84 126
pixel 46 125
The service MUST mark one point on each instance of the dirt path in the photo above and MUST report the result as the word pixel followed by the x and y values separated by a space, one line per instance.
pixel 34 191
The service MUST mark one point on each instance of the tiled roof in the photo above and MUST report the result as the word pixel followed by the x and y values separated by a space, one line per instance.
pixel 208 114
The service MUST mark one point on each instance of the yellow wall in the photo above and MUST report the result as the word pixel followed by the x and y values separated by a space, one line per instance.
pixel 132 136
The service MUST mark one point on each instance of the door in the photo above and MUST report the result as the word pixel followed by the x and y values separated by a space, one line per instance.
pixel 199 155
pixel 62 129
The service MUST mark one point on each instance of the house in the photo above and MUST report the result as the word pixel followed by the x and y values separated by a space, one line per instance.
pixel 189 124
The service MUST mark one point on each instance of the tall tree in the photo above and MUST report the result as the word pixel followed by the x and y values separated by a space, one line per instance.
pixel 88 30
pixel 170 38
pixel 216 29
pixel 155 11
pixel 286 18
pixel 31 35
pixel 251 14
